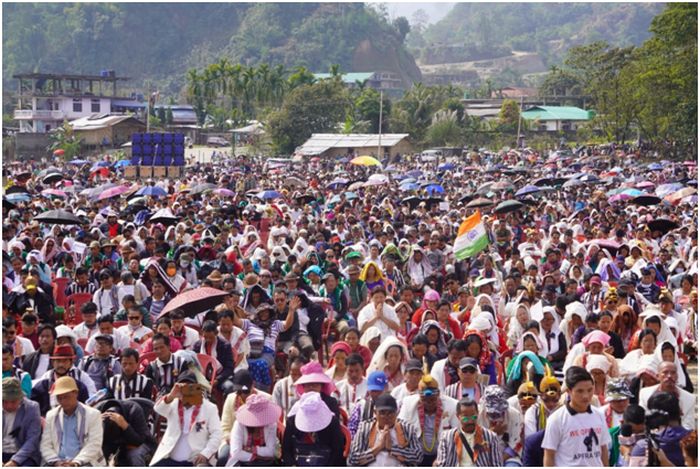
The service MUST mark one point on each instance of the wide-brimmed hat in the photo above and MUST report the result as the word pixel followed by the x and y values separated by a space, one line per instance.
pixel 250 279
pixel 310 413
pixel 215 276
pixel 63 385
pixel 258 412
pixel 62 351
pixel 312 373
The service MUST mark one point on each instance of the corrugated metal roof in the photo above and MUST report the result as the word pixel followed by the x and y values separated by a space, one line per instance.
pixel 557 113
pixel 318 143
pixel 98 122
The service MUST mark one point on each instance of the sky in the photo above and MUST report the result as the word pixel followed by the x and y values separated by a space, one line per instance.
pixel 435 10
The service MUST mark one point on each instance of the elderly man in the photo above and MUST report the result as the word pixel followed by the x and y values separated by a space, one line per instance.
pixel 385 440
pixel 62 362
pixel 73 433
pixel 21 426
pixel 668 379
pixel 469 444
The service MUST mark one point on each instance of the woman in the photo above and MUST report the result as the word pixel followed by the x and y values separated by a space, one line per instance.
pixel 404 312
pixel 50 251
pixel 371 339
pixel 573 321
pixel 625 325
pixel 518 369
pixel 313 379
pixel 446 322
pixel 336 365
pixel 254 433
pixel 682 295
pixel 437 342
pixel 153 271
pixel 598 366
pixel 418 267
pixel 420 351
pixel 254 297
pixel 630 364
pixel 576 274
pixel 312 277
pixel 390 357
pixel 552 338
pixel 351 336
pixel 667 352
pixel 250 242
pixel 605 325
pixel 516 324
pixel 312 436
pixel 478 348
pixel 372 276
pixel 594 343
pixel 177 280
pixel 431 299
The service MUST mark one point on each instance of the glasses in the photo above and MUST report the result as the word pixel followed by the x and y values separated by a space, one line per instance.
pixel 134 318
pixel 526 396
pixel 469 418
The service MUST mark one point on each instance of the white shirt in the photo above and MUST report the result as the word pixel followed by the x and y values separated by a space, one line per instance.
pixel 576 439
pixel 25 344
pixel 121 341
pixel 182 450
pixel 368 312
pixel 384 459
pixel 43 365
pixel 134 334
pixel 82 331
pixel 350 394
pixel 401 391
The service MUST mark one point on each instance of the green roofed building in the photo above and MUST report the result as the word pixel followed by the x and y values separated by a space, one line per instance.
pixel 556 118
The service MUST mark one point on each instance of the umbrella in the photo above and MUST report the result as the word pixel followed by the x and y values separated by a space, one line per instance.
pixel 113 192
pixel 411 186
pixel 195 301
pixel 607 244
pixel 645 185
pixel 51 178
pixel 589 178
pixel 337 183
pixel 59 152
pixel 379 177
pixel 153 191
pixel 305 198
pixel 619 198
pixel 137 201
pixel 54 192
pixel 655 167
pixel 164 216
pixel 224 192
pixel 434 189
pixel 58 217
pixel 508 206
pixel 480 202
pixel 664 225
pixel 408 180
pixel 294 182
pixel 558 181
pixel 16 190
pixel 632 192
pixel 502 186
pixel 122 163
pixel 202 188
pixel 356 185
pixel 412 201
pixel 142 217
pixel 268 195
pixel 543 182
pixel 78 162
pixel 350 195
pixel 18 197
pixel 680 194
pixel 529 189
pixel 573 183
pixel 415 173
pixel 365 161
pixel 431 201
pixel 645 200
pixel 101 171
pixel 666 189
pixel 447 167
pixel 484 188
pixel 466 198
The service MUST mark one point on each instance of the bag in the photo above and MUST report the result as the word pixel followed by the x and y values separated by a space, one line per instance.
pixel 311 455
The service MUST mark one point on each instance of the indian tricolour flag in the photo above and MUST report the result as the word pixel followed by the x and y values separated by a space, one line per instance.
pixel 471 238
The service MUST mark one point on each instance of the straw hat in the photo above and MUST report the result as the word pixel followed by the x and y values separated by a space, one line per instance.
pixel 63 385
pixel 311 413
pixel 258 412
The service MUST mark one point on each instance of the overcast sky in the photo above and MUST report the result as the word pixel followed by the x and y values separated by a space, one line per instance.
pixel 435 10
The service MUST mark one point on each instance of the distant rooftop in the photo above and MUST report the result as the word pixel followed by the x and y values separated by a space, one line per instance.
pixel 66 76
pixel 558 113
pixel 349 78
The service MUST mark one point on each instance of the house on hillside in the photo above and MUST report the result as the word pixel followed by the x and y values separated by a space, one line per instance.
pixel 332 145
pixel 381 80
pixel 114 130
pixel 515 92
pixel 557 118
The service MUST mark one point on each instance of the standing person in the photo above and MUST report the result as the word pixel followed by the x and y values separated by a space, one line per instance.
pixel 385 440
pixel 469 444
pixel 73 432
pixel 21 427
pixel 668 382
pixel 576 434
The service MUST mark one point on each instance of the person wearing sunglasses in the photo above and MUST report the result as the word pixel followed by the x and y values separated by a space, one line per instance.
pixel 549 400
pixel 469 443
pixel 505 421
pixel 470 384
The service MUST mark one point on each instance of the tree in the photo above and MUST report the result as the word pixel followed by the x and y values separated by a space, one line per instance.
pixel 444 129
pixel 402 27
pixel 419 21
pixel 509 114
pixel 64 139
pixel 367 109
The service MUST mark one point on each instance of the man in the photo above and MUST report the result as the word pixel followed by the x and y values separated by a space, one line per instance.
pixel 431 413
pixel 668 379
pixel 469 444
pixel 102 365
pixel 576 434
pixel 185 335
pixel 21 426
pixel 242 388
pixel 134 329
pixel 305 333
pixel 468 384
pixel 20 346
pixel 549 400
pixel 105 326
pixel 107 296
pixel 593 298
pixel 618 397
pixel 62 364
pixel 364 408
pixel 379 314
pixel 234 336
pixel 129 383
pixel 166 368
pixel 284 393
pixel 30 324
pixel 446 371
pixel 357 290
pixel 164 327
pixel 33 298
pixel 126 432
pixel 212 345
pixel 354 386
pixel 157 301
pixel 82 283
pixel 385 440
pixel 73 433
pixel 647 287
pixel 413 375
pixel 88 327
pixel 9 370
pixel 38 362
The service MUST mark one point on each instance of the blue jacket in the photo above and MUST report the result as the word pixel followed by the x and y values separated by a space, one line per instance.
pixel 27 432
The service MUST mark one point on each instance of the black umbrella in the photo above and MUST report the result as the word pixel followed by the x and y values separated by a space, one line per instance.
pixel 480 202
pixel 16 190
pixel 58 217
pixel 49 170
pixel 664 225
pixel 305 198
pixel 645 200
pixel 51 178
pixel 543 182
pixel 201 188
pixel 429 201
pixel 22 175
pixel 466 198
pixel 411 201
pixel 558 181
pixel 164 216
pixel 508 206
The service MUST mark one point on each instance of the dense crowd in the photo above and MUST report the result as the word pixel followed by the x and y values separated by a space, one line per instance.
pixel 318 313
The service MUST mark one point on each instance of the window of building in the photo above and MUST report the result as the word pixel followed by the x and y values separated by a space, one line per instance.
pixel 95 105
pixel 77 105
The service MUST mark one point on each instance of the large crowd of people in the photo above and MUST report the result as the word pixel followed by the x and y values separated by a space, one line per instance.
pixel 317 312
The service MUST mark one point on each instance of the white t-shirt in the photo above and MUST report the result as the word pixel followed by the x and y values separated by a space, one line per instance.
pixel 182 450
pixel 576 439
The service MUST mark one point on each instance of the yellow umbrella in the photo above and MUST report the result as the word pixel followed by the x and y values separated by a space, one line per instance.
pixel 366 161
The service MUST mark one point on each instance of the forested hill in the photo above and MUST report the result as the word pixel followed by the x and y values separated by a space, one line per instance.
pixel 476 31
pixel 160 42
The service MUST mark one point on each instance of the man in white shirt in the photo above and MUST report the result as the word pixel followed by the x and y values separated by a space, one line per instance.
pixel 88 327
pixel 576 434
pixel 668 377
pixel 135 330
pixel 107 296
pixel 354 386
pixel 414 372
pixel 446 371
pixel 379 314
pixel 105 325
pixel 21 346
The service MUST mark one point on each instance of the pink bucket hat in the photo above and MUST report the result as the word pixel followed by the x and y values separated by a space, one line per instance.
pixel 596 336
pixel 311 373
pixel 311 413
pixel 258 412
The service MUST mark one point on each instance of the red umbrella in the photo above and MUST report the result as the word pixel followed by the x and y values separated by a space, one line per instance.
pixel 104 172
pixel 59 152
pixel 195 301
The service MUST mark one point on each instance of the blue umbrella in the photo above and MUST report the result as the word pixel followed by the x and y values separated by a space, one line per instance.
pixel 655 167
pixel 407 181
pixel 334 200
pixel 447 167
pixel 338 182
pixel 434 189
pixel 529 189
pixel 411 186
pixel 78 162
pixel 122 163
pixel 268 195
pixel 142 217
pixel 153 191
pixel 416 173
pixel 18 197
pixel 350 195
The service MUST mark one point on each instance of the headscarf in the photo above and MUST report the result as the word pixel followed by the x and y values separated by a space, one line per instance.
pixel 596 336
pixel 370 333
pixel 485 355
pixel 665 334
pixel 658 355
pixel 49 256
pixel 441 344
pixel 377 271
pixel 598 362
pixel 605 275
pixel 572 309
pixel 483 322
pixel 553 346
pixel 515 329
pixel 379 361
pixel 418 272
pixel 541 347
pixel 517 364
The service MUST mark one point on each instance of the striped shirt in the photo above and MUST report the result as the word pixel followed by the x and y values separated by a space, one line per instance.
pixel 492 456
pixel 75 288
pixel 164 375
pixel 138 385
pixel 361 448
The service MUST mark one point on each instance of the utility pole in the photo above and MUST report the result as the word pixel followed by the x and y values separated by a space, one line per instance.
pixel 379 142
pixel 520 118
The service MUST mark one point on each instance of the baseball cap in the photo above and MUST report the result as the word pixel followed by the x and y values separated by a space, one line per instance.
pixel 385 402
pixel 105 337
pixel 376 381
pixel 596 281
pixel 468 362
pixel 414 364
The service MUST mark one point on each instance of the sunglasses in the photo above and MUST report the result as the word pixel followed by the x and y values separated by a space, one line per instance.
pixel 527 396
pixel 134 318
pixel 469 418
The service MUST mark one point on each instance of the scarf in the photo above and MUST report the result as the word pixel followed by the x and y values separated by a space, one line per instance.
pixel 436 430
pixel 479 444
pixel 485 354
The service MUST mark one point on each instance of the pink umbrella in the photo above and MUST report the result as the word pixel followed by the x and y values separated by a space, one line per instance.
pixel 113 192
pixel 645 185
pixel 195 301
pixel 224 192
pixel 54 192
pixel 619 198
